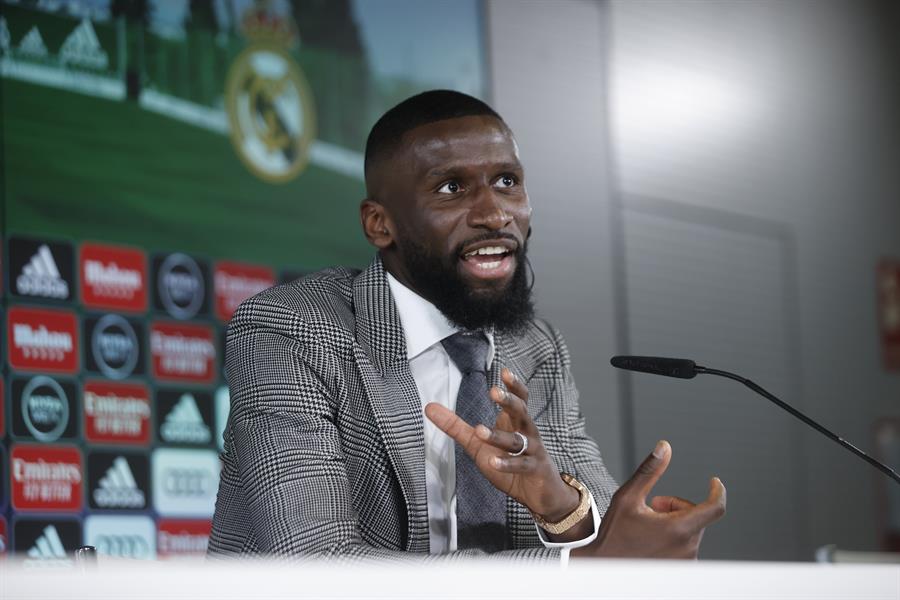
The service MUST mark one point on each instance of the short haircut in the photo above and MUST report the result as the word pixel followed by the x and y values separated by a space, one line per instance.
pixel 421 109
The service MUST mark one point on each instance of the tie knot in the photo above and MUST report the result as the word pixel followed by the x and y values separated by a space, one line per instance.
pixel 468 350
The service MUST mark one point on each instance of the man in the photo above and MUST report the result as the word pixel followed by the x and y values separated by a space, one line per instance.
pixel 417 409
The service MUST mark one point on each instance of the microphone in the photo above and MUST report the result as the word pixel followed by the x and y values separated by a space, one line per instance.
pixel 688 369
pixel 670 367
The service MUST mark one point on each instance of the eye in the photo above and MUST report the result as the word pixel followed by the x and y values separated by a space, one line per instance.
pixel 451 187
pixel 505 181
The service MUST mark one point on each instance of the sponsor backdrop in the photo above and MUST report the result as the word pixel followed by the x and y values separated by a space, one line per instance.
pixel 163 161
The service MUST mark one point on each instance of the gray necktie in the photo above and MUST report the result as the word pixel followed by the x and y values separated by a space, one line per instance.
pixel 480 507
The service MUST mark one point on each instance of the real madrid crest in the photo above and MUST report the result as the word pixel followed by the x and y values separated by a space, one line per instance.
pixel 269 103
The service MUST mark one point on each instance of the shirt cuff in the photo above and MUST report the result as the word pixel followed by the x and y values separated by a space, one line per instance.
pixel 566 547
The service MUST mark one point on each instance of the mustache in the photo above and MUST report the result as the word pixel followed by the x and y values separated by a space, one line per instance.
pixel 490 237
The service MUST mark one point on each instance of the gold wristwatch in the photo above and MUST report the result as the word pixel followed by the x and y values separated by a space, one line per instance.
pixel 584 507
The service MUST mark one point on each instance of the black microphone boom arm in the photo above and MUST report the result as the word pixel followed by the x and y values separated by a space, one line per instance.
pixel 647 364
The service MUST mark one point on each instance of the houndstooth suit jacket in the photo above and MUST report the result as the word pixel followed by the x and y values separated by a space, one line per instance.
pixel 324 450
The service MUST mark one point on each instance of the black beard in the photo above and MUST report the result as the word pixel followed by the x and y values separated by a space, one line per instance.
pixel 436 278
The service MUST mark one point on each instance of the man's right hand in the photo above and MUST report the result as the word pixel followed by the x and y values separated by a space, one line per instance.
pixel 669 527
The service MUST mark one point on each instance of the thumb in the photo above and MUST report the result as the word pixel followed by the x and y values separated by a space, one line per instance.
pixel 649 471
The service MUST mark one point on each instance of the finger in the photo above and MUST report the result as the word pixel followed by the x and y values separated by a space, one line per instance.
pixel 514 384
pixel 450 423
pixel 649 472
pixel 710 510
pixel 512 404
pixel 504 440
pixel 514 464
pixel 667 504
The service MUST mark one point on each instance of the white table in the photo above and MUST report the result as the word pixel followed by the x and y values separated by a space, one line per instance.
pixel 123 580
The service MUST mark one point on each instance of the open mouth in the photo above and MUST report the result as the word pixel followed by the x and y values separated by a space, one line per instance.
pixel 489 261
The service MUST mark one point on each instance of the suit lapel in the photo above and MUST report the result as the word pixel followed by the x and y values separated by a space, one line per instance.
pixel 393 394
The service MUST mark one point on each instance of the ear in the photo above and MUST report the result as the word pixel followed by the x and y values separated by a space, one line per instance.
pixel 376 224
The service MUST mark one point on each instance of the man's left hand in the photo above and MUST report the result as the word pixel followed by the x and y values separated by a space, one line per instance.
pixel 531 478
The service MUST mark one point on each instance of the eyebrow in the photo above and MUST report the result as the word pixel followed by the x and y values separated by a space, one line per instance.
pixel 443 172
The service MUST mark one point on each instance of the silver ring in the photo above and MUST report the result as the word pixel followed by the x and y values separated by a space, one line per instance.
pixel 524 445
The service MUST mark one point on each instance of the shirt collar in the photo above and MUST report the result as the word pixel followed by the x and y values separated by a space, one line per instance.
pixel 423 324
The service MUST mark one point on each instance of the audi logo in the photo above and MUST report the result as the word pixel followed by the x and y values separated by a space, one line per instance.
pixel 124 546
pixel 187 482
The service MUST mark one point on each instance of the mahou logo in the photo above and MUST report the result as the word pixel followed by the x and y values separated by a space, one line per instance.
pixel 235 282
pixel 183 352
pixel 116 413
pixel 178 537
pixel 42 340
pixel 113 277
pixel 46 478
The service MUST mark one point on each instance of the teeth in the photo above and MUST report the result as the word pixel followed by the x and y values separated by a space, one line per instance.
pixel 489 265
pixel 488 250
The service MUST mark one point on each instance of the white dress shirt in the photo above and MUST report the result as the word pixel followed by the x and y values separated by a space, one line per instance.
pixel 437 379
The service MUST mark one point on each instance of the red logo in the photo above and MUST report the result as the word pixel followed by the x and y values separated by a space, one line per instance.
pixel 176 538
pixel 42 340
pixel 46 478
pixel 116 413
pixel 235 282
pixel 113 277
pixel 183 352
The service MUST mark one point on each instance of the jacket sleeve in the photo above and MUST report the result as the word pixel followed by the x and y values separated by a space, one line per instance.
pixel 284 449
pixel 580 448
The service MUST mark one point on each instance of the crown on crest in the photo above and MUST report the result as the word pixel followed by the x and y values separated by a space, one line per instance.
pixel 260 24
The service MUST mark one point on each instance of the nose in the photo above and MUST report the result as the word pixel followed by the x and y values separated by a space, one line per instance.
pixel 489 211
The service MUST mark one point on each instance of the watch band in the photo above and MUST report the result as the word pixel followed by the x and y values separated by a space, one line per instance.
pixel 583 508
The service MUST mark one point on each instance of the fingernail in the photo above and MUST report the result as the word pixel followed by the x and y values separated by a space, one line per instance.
pixel 660 451
pixel 483 432
pixel 497 462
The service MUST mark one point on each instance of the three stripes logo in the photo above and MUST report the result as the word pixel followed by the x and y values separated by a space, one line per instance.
pixel 184 423
pixel 41 269
pixel 118 481
pixel 48 545
pixel 46 541
pixel 118 489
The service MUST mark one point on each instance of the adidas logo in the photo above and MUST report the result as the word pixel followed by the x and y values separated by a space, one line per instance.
pixel 82 48
pixel 118 489
pixel 184 423
pixel 48 546
pixel 40 277
pixel 33 44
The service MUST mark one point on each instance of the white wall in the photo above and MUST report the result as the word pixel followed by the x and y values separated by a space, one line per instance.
pixel 782 112
pixel 547 63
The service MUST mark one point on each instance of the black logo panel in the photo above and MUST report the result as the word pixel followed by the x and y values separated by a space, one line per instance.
pixel 180 285
pixel 184 417
pixel 46 539
pixel 114 346
pixel 118 480
pixel 41 269
pixel 44 408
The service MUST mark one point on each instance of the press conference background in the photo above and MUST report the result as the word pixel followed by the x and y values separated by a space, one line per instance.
pixel 732 164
